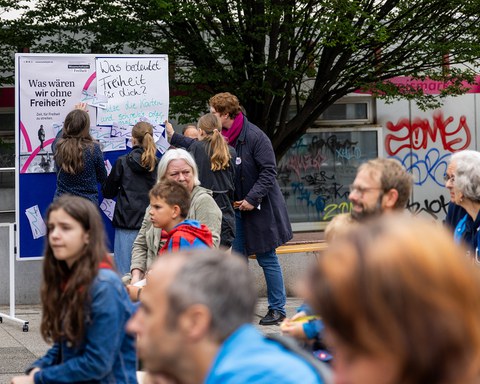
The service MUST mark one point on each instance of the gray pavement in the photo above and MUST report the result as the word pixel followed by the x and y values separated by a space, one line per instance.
pixel 18 349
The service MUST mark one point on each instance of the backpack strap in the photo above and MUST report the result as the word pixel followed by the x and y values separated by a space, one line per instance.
pixel 322 369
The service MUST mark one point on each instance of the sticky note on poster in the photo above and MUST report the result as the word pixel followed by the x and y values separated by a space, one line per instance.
pixel 159 130
pixel 113 144
pixel 136 87
pixel 37 225
pixel 162 144
pixel 100 133
pixel 108 166
pixel 93 99
pixel 159 136
pixel 108 208
pixel 121 131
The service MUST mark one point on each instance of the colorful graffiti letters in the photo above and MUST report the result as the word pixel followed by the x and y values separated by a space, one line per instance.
pixel 418 134
pixel 430 167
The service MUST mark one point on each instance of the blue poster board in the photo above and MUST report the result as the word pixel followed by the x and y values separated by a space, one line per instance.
pixel 39 189
pixel 131 87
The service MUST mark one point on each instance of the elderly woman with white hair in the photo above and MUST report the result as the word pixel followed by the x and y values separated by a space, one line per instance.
pixel 463 182
pixel 176 164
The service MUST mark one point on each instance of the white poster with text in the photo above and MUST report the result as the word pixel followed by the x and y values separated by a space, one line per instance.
pixel 49 87
pixel 135 88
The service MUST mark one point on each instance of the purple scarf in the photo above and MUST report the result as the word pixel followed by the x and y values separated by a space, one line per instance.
pixel 232 134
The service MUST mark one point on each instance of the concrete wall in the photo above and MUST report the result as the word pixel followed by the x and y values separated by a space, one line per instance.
pixel 7 199
pixel 294 266
pixel 27 275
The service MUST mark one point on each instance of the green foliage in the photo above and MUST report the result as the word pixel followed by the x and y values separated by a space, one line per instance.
pixel 275 55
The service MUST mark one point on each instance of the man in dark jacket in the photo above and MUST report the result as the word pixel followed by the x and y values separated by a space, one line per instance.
pixel 262 222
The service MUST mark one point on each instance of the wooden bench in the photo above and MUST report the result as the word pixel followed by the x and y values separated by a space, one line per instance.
pixel 300 247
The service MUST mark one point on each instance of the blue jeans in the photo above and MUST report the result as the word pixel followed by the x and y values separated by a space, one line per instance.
pixel 122 249
pixel 276 295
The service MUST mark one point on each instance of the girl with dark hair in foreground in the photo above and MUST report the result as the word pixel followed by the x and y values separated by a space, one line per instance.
pixel 85 305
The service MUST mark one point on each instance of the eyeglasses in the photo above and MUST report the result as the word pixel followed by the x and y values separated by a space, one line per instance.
pixel 362 190
pixel 447 178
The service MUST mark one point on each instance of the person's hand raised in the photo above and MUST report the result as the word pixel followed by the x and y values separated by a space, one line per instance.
pixel 82 106
pixel 169 128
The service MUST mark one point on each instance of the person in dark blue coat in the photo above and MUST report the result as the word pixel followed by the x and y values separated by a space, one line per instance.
pixel 262 222
pixel 78 158
pixel 463 182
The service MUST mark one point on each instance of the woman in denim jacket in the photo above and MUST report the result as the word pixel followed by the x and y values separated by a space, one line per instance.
pixel 85 306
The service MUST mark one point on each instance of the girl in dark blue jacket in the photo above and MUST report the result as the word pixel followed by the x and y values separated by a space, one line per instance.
pixel 85 305
pixel 78 158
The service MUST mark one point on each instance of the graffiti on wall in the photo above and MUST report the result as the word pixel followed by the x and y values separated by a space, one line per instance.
pixel 424 147
pixel 315 173
pixel 421 133
pixel 435 208
pixel 429 166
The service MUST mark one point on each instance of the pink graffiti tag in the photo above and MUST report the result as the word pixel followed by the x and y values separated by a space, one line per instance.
pixel 301 163
pixel 417 134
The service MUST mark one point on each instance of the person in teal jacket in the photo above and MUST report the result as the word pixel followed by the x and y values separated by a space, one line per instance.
pixel 194 325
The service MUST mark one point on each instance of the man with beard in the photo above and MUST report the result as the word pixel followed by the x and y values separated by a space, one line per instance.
pixel 381 186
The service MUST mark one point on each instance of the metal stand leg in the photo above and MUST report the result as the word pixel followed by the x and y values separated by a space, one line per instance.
pixel 11 316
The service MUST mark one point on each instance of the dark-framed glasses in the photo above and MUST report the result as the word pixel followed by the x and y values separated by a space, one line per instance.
pixel 362 190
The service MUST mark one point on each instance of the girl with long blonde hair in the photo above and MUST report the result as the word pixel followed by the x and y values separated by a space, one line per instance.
pixel 132 176
pixel 216 168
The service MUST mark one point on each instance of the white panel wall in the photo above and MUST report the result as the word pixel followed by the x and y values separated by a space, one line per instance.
pixel 424 142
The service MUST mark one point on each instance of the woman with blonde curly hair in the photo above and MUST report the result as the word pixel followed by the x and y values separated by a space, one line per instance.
pixel 401 305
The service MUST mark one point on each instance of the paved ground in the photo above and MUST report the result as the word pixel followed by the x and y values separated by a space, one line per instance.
pixel 18 349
